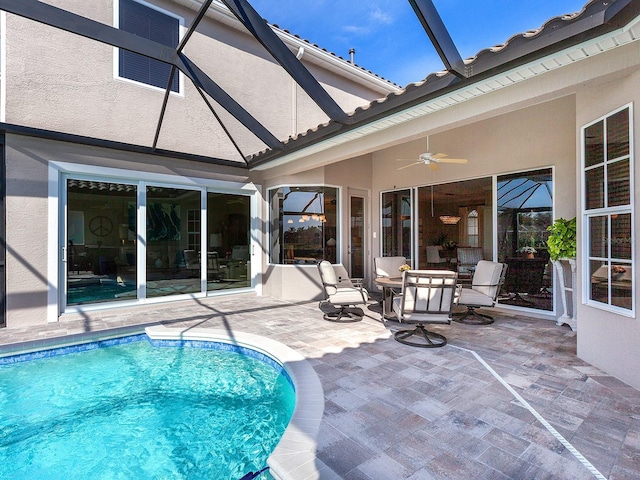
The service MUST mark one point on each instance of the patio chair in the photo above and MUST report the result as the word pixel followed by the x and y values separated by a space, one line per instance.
pixel 427 298
pixel 433 256
pixel 485 287
pixel 388 266
pixel 468 258
pixel 192 262
pixel 341 294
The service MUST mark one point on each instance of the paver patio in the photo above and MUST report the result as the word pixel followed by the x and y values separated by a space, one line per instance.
pixel 504 401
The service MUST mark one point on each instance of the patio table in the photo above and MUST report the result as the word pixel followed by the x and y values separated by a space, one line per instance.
pixel 389 286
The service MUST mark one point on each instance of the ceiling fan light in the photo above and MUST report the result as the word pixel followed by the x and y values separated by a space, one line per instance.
pixel 449 219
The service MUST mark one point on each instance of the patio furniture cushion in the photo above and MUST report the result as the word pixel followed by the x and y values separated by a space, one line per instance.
pixel 388 266
pixel 427 298
pixel 341 292
pixel 485 287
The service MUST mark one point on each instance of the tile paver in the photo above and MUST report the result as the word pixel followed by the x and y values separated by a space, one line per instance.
pixel 394 411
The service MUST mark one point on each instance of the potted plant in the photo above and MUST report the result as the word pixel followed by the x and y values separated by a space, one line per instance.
pixel 528 251
pixel 562 246
pixel 562 241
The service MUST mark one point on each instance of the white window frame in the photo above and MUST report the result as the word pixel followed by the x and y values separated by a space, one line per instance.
pixel 473 226
pixel 339 221
pixel 57 201
pixel 606 211
pixel 116 51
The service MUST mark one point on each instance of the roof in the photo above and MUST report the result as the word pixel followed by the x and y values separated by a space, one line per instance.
pixel 524 55
pixel 597 18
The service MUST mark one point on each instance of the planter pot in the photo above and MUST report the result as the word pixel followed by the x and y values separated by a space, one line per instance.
pixel 566 269
pixel 529 255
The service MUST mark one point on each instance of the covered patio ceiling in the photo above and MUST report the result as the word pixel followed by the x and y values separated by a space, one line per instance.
pixel 597 18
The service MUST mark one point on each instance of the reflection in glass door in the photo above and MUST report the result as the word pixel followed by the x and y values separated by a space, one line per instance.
pixel 228 255
pixel 357 237
pixel 525 204
pixel 100 242
pixel 396 224
pixel 173 241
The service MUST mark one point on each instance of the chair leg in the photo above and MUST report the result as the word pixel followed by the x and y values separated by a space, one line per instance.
pixel 344 314
pixel 472 317
pixel 431 339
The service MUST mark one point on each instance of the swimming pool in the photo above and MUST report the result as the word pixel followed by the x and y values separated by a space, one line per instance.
pixel 216 411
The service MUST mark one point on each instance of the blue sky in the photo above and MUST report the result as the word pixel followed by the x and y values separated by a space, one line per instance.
pixel 388 37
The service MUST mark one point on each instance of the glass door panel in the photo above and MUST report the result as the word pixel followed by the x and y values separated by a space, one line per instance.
pixel 173 249
pixel 228 255
pixel 357 237
pixel 525 204
pixel 101 242
pixel 453 215
pixel 396 224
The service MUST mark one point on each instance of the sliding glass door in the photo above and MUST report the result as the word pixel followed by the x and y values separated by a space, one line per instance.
pixel 228 255
pixel 191 241
pixel 451 216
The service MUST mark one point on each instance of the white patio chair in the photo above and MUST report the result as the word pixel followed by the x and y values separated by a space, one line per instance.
pixel 427 298
pixel 433 256
pixel 485 287
pixel 341 294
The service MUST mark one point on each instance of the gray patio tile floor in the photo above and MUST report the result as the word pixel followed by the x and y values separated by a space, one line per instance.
pixel 395 412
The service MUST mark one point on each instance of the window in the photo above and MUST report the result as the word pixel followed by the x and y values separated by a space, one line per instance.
pixel 472 228
pixel 193 230
pixel 607 210
pixel 304 225
pixel 147 22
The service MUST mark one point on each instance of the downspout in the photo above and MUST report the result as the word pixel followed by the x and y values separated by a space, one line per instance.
pixel 294 98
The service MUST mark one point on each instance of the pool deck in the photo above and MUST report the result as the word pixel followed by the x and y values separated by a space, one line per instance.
pixel 504 401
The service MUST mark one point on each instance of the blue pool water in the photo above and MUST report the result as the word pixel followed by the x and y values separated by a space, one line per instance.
pixel 139 411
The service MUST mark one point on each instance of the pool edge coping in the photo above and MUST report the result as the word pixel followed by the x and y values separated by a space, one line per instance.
pixel 294 457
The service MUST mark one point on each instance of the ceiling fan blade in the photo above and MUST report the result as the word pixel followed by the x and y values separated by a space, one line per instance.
pixel 452 160
pixel 410 165
pixel 439 155
pixel 433 166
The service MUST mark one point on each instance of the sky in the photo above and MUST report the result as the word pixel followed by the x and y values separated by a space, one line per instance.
pixel 390 41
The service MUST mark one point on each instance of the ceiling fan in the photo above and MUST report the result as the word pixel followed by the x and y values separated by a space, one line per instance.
pixel 432 159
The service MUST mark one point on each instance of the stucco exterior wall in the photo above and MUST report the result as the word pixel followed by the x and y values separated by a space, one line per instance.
pixel 27 280
pixel 29 277
pixel 606 340
pixel 49 70
pixel 302 282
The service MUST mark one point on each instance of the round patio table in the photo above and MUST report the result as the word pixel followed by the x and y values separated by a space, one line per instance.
pixel 389 286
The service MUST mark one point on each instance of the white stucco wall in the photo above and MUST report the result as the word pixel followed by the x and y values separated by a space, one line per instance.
pixel 64 82
pixel 29 274
pixel 607 340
